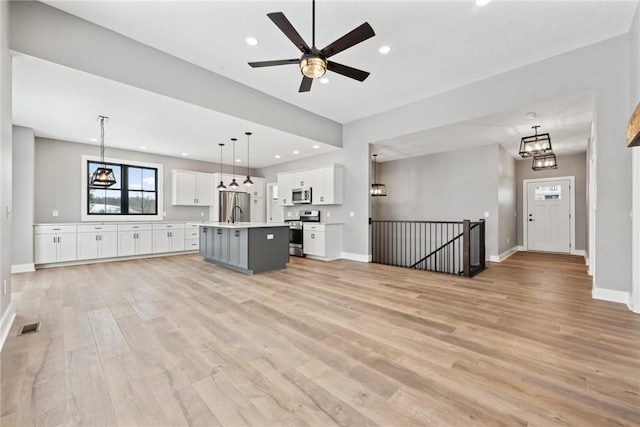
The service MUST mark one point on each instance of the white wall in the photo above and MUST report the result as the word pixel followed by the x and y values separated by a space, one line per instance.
pixel 23 200
pixel 507 234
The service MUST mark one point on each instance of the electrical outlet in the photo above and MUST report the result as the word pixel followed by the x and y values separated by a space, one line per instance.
pixel 328 214
pixel 164 214
pixel 54 213
pixel 201 213
pixel 352 214
pixel 486 214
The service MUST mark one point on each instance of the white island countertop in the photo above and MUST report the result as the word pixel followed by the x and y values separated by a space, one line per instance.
pixel 244 224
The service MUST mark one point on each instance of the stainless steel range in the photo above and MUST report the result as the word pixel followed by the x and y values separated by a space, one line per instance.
pixel 295 230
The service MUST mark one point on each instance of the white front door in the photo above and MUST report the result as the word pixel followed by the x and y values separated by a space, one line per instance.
pixel 549 216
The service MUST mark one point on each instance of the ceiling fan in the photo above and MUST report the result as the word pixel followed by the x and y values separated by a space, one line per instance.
pixel 313 62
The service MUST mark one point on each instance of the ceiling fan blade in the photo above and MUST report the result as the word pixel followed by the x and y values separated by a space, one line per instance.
pixel 305 86
pixel 285 26
pixel 360 34
pixel 351 72
pixel 272 63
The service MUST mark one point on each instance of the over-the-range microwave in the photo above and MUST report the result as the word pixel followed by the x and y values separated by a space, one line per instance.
pixel 301 195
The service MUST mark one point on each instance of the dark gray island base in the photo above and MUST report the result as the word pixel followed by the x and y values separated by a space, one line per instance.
pixel 246 247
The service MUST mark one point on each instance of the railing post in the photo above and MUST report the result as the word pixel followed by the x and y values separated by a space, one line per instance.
pixel 466 243
pixel 481 244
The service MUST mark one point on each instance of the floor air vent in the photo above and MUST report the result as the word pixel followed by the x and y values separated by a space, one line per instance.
pixel 30 329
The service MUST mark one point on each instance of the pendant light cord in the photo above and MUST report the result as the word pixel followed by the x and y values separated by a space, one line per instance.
pixel 313 23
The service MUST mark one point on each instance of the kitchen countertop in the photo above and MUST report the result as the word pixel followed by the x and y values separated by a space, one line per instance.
pixel 244 224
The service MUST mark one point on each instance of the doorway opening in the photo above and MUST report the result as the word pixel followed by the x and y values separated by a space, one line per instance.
pixel 548 220
pixel 275 213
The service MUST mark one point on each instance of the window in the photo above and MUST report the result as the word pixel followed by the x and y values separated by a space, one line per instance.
pixel 547 192
pixel 136 195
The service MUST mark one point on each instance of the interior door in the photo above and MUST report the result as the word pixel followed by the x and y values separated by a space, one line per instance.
pixel 548 216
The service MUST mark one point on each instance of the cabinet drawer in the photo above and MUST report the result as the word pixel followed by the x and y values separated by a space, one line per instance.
pixel 86 228
pixel 192 234
pixel 191 244
pixel 54 229
pixel 313 227
pixel 192 225
pixel 134 227
pixel 172 226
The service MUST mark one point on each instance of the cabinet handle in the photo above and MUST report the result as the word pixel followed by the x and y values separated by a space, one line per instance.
pixel 98 228
pixel 56 229
pixel 96 237
pixel 313 236
pixel 58 240
pixel 219 231
pixel 54 239
pixel 135 226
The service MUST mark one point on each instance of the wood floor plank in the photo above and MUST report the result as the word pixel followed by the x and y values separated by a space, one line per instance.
pixel 176 341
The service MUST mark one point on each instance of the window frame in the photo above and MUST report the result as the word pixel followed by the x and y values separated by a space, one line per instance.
pixel 86 216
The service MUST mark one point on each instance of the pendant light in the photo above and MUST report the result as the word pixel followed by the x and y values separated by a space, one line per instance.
pixel 534 145
pixel 544 161
pixel 377 189
pixel 102 177
pixel 221 186
pixel 248 181
pixel 234 184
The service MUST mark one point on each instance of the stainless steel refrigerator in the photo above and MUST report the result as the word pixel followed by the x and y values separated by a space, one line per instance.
pixel 235 203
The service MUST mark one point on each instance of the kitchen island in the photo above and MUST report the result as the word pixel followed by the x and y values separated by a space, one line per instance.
pixel 248 247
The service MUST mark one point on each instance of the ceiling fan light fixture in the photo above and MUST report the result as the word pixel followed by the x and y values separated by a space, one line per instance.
pixel 313 66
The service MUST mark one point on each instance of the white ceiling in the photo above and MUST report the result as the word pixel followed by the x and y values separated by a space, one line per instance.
pixel 436 46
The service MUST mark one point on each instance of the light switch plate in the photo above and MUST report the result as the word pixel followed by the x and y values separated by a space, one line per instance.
pixel 288 214
pixel 54 213
pixel 269 236
pixel 486 214
pixel 352 214
pixel 328 214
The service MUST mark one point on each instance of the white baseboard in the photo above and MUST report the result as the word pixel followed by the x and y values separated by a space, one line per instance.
pixel 578 252
pixel 114 259
pixel 6 322
pixel 504 255
pixel 23 268
pixel 611 295
pixel 522 248
pixel 356 257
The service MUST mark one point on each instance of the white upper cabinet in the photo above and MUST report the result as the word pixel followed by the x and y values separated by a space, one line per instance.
pixel 285 185
pixel 192 188
pixel 258 187
pixel 327 185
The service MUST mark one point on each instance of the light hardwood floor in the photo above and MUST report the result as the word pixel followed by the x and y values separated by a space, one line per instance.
pixel 178 341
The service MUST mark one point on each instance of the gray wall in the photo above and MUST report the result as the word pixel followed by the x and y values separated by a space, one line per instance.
pixel 571 165
pixel 23 200
pixel 62 160
pixel 507 235
pixel 5 158
pixel 449 186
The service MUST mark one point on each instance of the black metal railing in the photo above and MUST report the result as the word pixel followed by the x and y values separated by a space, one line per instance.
pixel 452 247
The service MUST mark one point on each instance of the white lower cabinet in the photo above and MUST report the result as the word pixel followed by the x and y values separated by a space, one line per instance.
pixel 97 241
pixel 168 237
pixel 134 239
pixel 55 243
pixel 191 236
pixel 322 241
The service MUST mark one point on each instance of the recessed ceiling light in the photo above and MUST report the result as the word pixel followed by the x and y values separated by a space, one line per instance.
pixel 316 146
pixel 142 147
pixel 185 154
pixel 384 49
pixel 251 41
pixel 482 2
pixel 277 156
pixel 296 152
pixel 324 80
pixel 93 139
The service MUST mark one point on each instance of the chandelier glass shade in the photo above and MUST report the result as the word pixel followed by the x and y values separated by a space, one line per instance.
pixel 544 161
